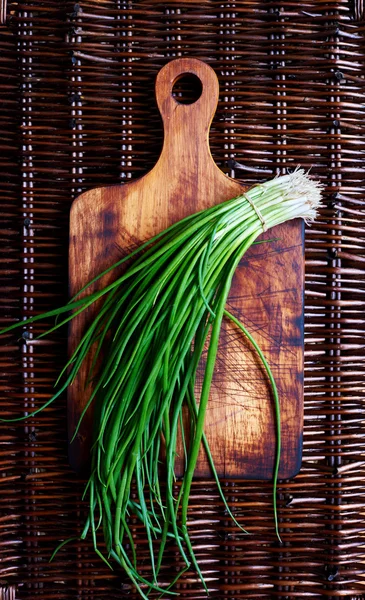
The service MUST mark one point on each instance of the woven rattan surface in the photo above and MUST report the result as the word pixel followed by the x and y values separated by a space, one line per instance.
pixel 76 111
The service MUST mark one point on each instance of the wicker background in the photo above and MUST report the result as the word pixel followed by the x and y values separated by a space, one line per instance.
pixel 76 111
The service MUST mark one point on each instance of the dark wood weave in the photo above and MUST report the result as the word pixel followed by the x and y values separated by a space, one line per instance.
pixel 77 111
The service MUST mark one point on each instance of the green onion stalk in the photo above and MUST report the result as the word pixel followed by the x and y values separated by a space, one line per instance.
pixel 153 323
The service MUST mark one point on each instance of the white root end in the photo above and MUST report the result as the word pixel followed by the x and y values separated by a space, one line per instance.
pixel 300 186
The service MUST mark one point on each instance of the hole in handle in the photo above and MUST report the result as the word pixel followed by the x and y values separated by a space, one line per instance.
pixel 187 88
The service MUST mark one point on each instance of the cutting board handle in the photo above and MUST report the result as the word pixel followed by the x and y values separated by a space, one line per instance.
pixel 186 126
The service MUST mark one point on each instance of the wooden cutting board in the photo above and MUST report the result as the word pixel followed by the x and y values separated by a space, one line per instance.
pixel 267 293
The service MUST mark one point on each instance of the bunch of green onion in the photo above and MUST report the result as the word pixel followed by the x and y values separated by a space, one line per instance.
pixel 153 323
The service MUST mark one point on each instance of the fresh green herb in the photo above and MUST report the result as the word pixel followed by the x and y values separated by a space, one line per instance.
pixel 153 325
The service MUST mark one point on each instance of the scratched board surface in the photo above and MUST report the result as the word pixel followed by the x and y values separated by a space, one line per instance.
pixel 240 422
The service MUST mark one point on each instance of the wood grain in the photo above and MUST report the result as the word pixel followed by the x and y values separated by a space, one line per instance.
pixel 267 293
